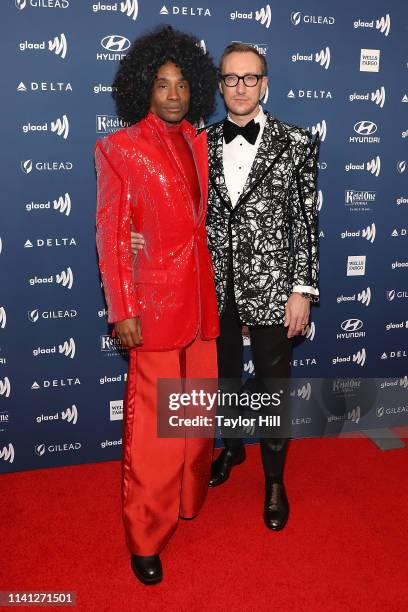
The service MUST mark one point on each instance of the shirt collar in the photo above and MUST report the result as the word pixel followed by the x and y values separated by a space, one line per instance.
pixel 260 118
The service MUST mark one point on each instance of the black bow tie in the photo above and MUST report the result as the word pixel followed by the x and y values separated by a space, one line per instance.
pixel 250 131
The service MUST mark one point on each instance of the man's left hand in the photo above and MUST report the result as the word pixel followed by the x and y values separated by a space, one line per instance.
pixel 297 312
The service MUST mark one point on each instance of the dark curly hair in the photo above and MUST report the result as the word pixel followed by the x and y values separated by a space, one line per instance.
pixel 134 79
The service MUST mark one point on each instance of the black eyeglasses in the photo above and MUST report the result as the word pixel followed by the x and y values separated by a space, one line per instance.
pixel 232 80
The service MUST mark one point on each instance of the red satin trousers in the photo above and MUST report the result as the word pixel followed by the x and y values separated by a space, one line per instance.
pixel 162 478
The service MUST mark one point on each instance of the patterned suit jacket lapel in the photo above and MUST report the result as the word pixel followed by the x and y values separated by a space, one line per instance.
pixel 216 167
pixel 273 143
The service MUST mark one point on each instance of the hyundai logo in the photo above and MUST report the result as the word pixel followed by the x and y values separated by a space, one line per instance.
pixel 115 43
pixel 351 325
pixel 365 127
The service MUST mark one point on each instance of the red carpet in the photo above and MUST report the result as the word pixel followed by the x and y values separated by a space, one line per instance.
pixel 344 548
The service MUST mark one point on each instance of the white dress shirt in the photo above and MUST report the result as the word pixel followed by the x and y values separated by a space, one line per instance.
pixel 238 157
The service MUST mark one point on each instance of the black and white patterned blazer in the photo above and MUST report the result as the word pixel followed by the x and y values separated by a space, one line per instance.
pixel 269 239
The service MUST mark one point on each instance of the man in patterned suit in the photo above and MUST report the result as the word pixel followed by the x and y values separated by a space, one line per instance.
pixel 262 234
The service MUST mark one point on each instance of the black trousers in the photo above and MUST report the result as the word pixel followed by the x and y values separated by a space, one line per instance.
pixel 271 354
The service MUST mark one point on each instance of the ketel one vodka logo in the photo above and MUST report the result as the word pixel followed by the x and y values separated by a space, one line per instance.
pixel 111 346
pixel 106 124
pixel 66 349
pixel 70 415
pixel 57 45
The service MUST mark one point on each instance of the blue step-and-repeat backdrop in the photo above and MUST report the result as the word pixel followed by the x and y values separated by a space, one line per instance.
pixel 337 68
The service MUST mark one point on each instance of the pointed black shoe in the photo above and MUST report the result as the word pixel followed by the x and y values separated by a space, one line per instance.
pixel 222 466
pixel 148 569
pixel 276 511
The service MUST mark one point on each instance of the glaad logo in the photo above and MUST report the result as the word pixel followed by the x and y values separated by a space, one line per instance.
pixel 394 266
pixel 373 166
pixel 319 200
pixel 263 16
pixel 364 297
pixel 309 331
pixel 368 233
pixel 186 11
pixel 377 96
pixel 129 7
pixel 365 131
pixel 356 265
pixel 383 24
pixel 66 349
pixel 401 165
pixel 304 392
pixel 5 387
pixel 354 414
pixel 3 317
pixel 7 453
pixel 358 358
pixel 65 278
pixel 399 325
pixel 369 60
pixel 116 410
pixel 296 18
pixel 319 128
pixel 57 45
pixel 60 126
pixel 321 57
pixel 115 45
pixel 70 415
pixel 61 204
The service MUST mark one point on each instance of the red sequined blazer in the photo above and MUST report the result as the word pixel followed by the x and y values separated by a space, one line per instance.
pixel 170 283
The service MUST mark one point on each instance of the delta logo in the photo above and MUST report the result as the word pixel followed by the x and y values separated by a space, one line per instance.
pixel 185 11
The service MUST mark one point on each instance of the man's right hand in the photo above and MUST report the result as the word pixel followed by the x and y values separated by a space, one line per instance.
pixel 137 242
pixel 129 331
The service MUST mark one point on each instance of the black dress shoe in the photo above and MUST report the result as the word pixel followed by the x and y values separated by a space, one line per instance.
pixel 222 466
pixel 276 509
pixel 147 569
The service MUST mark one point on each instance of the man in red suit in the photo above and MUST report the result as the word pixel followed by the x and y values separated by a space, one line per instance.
pixel 153 175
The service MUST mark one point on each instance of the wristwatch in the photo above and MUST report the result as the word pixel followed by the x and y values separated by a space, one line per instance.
pixel 309 296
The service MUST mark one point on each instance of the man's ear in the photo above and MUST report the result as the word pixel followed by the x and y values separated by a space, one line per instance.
pixel 220 88
pixel 264 86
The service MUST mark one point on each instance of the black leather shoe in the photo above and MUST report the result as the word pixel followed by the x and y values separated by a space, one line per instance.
pixel 222 466
pixel 276 511
pixel 147 569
